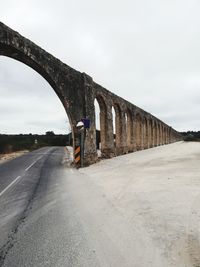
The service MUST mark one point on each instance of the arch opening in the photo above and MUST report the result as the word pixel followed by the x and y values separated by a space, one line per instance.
pixel 29 108
pixel 100 124
pixel 11 52
pixel 165 135
pixel 145 138
pixel 129 131
pixel 155 134
pixel 151 128
pixel 139 138
pixel 160 134
pixel 117 127
pixel 114 125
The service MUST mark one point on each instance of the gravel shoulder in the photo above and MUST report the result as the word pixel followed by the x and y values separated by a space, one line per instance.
pixel 157 192
pixel 13 155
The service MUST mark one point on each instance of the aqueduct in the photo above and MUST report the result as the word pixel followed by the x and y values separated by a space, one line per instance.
pixel 136 129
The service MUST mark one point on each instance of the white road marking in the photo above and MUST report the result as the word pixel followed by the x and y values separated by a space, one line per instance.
pixel 32 164
pixel 16 179
pixel 19 177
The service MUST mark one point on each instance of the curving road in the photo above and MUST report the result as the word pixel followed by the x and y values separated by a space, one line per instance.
pixel 33 210
pixel 41 218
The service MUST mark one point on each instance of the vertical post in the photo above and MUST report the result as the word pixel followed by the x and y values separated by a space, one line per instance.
pixel 79 144
pixel 82 146
pixel 77 151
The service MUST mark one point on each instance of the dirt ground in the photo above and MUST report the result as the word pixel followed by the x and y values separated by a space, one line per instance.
pixel 5 157
pixel 157 193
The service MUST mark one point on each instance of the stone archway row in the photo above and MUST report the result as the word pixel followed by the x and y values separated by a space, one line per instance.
pixel 136 129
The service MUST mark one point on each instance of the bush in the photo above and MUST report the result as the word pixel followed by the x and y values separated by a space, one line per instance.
pixel 11 143
pixel 189 137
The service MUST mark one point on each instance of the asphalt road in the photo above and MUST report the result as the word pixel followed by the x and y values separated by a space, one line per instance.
pixel 37 223
pixel 52 215
pixel 19 179
pixel 44 215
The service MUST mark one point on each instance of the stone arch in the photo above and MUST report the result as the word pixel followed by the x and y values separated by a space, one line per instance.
pixel 160 134
pixel 163 131
pixel 77 92
pixel 125 131
pixel 169 130
pixel 150 133
pixel 138 131
pixel 118 130
pixel 165 135
pixel 41 68
pixel 170 135
pixel 42 73
pixel 31 96
pixel 103 120
pixel 129 130
pixel 168 140
pixel 106 123
pixel 114 124
pixel 145 134
pixel 67 83
pixel 155 133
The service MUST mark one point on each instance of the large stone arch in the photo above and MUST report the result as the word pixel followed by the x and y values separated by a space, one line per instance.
pixel 67 83
pixel 63 79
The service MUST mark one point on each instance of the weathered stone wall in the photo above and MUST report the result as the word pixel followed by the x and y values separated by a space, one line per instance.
pixel 65 81
pixel 135 128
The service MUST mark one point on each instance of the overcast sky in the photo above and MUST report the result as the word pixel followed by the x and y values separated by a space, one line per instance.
pixel 146 51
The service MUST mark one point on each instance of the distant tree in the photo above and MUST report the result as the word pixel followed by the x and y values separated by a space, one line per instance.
pixel 9 143
pixel 50 133
pixel 189 137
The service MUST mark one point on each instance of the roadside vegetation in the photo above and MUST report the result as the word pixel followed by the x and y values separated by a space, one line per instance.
pixel 12 143
pixel 191 136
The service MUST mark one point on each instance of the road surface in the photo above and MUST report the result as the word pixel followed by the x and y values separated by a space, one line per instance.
pixel 137 210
